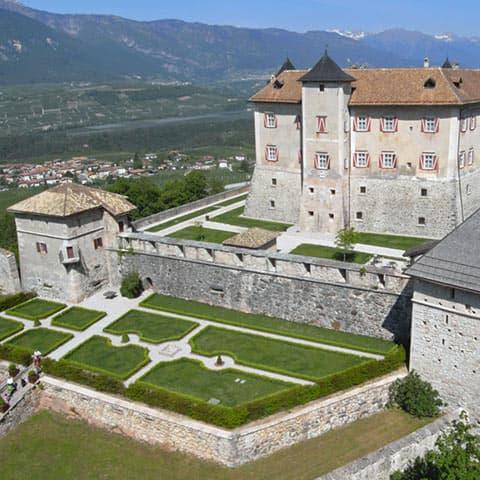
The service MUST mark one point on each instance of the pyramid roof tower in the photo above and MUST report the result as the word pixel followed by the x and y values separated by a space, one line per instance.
pixel 326 70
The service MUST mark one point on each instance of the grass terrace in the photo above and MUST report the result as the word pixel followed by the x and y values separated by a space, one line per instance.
pixel 98 354
pixel 150 327
pixel 234 217
pixel 390 241
pixel 201 234
pixel 77 318
pixel 231 387
pixel 46 447
pixel 183 218
pixel 231 201
pixel 41 339
pixel 272 355
pixel 267 324
pixel 310 250
pixel 9 327
pixel 36 309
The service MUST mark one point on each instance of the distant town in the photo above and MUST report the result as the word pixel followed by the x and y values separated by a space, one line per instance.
pixel 89 170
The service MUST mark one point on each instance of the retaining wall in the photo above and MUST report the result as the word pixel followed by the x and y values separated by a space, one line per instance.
pixel 22 411
pixel 231 448
pixel 343 296
pixel 380 464
pixel 173 212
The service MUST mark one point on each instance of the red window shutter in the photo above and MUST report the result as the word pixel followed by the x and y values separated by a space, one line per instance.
pixel 368 160
pixel 382 125
pixel 369 124
pixel 328 162
pixel 395 124
pixel 424 125
pixel 276 121
pixel 395 160
pixel 437 125
pixel 265 120
pixel 321 124
pixel 380 161
pixel 277 154
pixel 355 159
pixel 355 124
pixel 435 162
pixel 266 153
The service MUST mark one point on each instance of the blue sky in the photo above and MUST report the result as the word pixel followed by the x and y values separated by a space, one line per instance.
pixel 430 16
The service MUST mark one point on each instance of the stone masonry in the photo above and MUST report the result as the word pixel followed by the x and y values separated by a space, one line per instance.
pixel 9 277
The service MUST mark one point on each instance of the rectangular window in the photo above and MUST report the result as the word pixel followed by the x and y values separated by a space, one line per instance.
pixel 70 253
pixel 430 125
pixel 272 203
pixel 298 121
pixel 321 124
pixel 98 243
pixel 42 248
pixel 463 124
pixel 274 182
pixel 363 189
pixel 322 161
pixel 359 215
pixel 389 124
pixel 388 160
pixel 428 161
pixel 121 227
pixel 422 221
pixel 271 153
pixel 473 122
pixel 471 156
pixel 424 192
pixel 270 120
pixel 461 159
pixel 362 123
pixel 361 159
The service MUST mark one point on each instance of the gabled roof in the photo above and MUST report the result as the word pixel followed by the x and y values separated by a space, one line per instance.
pixel 455 261
pixel 70 199
pixel 252 238
pixel 326 70
pixel 290 92
pixel 287 65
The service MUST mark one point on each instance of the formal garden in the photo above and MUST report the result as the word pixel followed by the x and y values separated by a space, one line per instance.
pixel 210 363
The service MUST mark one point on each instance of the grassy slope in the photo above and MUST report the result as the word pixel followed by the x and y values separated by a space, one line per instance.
pixel 234 218
pixel 151 328
pixel 191 378
pixel 41 339
pixel 274 355
pixel 310 250
pixel 390 241
pixel 201 234
pixel 98 354
pixel 47 446
pixel 77 318
pixel 265 323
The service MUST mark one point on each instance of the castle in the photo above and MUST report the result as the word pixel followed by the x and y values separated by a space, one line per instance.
pixel 381 150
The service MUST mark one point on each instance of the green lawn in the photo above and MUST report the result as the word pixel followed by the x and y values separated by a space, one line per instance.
pixel 310 250
pixel 189 377
pixel 41 339
pixel 390 241
pixel 151 327
pixel 98 354
pixel 46 447
pixel 234 217
pixel 201 234
pixel 227 203
pixel 77 318
pixel 267 324
pixel 9 327
pixel 181 219
pixel 36 309
pixel 267 354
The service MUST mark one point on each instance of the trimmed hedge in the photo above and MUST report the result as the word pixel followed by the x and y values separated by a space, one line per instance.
pixel 16 355
pixel 10 301
pixel 229 417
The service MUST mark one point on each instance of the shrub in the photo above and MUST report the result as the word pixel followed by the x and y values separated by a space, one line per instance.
pixel 13 370
pixel 32 376
pixel 10 301
pixel 415 396
pixel 37 323
pixel 125 338
pixel 15 355
pixel 131 286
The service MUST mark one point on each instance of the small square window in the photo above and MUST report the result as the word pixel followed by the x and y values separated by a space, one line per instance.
pixel 311 213
pixel 333 191
pixel 331 216
pixel 272 204
pixel 363 189
pixel 424 192
pixel 422 221
pixel 359 215
pixel 98 243
pixel 311 190
pixel 322 88
pixel 274 182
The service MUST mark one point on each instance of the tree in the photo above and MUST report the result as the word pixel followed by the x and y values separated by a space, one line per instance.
pixel 137 162
pixel 244 166
pixel 345 241
pixel 456 456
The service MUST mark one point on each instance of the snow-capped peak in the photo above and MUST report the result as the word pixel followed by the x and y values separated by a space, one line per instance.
pixel 348 33
pixel 446 37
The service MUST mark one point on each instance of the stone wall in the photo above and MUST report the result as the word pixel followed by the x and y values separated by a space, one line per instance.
pixel 231 448
pixel 380 464
pixel 9 277
pixel 320 292
pixel 204 202
pixel 22 411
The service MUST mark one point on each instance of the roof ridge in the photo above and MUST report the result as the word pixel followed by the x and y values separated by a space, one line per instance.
pixel 450 86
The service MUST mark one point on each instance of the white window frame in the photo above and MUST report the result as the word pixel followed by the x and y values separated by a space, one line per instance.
pixel 362 123
pixel 392 160
pixel 361 159
pixel 389 124
pixel 270 120
pixel 473 122
pixel 471 156
pixel 322 161
pixel 463 124
pixel 430 125
pixel 429 161
pixel 271 153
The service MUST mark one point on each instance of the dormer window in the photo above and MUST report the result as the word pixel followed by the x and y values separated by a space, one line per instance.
pixel 458 82
pixel 430 83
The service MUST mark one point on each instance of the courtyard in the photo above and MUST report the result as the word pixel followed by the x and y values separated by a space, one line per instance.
pixel 209 354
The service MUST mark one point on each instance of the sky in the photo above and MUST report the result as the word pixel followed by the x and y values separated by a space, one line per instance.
pixel 429 16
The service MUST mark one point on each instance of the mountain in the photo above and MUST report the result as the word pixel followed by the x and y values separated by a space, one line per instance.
pixel 41 46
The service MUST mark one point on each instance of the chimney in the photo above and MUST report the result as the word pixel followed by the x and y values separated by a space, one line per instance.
pixel 426 62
